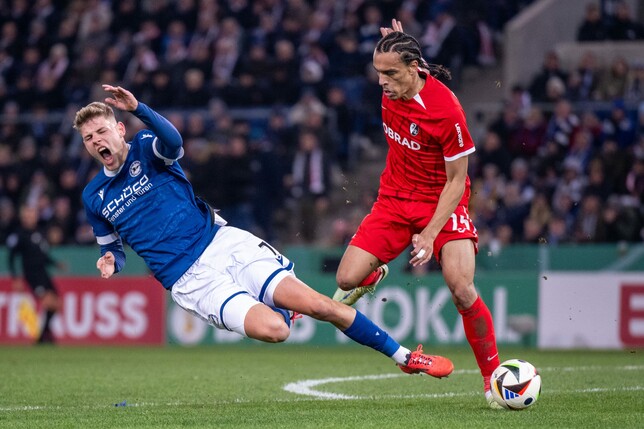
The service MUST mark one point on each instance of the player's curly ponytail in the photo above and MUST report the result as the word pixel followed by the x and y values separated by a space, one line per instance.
pixel 409 50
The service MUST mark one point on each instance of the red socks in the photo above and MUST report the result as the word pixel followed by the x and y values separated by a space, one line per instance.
pixel 370 279
pixel 479 330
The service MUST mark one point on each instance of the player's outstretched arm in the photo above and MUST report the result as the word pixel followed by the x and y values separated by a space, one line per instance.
pixel 170 141
pixel 395 26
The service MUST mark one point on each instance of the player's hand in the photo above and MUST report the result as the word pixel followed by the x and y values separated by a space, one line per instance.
pixel 422 252
pixel 395 26
pixel 123 99
pixel 105 265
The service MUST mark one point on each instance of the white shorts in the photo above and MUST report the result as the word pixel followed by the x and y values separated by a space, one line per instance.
pixel 236 272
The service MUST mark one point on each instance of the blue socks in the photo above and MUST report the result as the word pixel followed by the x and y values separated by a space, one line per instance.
pixel 285 314
pixel 367 333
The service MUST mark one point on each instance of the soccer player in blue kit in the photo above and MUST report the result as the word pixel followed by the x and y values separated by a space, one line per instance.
pixel 226 276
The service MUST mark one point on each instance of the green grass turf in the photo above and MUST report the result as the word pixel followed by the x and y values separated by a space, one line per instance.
pixel 243 386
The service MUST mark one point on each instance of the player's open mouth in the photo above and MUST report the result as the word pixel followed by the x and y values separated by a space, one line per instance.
pixel 105 153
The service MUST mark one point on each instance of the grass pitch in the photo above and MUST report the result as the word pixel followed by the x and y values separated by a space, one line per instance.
pixel 287 386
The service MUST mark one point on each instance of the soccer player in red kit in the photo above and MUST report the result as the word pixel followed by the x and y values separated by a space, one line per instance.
pixel 424 192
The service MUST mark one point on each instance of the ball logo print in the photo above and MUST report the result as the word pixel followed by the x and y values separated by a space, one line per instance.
pixel 515 384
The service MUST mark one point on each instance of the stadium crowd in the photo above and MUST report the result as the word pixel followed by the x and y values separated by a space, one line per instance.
pixel 274 97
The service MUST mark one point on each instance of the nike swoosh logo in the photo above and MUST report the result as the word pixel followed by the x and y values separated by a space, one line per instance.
pixel 492 357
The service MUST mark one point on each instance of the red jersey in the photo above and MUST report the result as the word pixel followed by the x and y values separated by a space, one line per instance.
pixel 423 132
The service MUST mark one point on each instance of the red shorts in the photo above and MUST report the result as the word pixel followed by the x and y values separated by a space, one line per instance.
pixel 387 231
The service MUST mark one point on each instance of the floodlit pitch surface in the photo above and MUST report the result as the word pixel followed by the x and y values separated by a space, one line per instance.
pixel 287 386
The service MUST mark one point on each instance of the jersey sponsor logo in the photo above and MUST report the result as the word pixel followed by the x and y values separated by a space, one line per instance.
pixel 146 136
pixel 114 208
pixel 459 133
pixel 135 168
pixel 400 140
pixel 413 129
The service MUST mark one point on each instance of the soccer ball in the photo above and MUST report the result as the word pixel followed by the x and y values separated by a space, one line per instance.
pixel 515 384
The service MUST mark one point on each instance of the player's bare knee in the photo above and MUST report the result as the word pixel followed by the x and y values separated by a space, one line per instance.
pixel 275 332
pixel 464 297
pixel 345 282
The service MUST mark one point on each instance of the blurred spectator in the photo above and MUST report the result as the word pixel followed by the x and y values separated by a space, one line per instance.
pixel 284 83
pixel 588 218
pixel 619 222
pixel 540 211
pixel 616 163
pixel 572 182
pixel 520 100
pixel 143 62
pixel 257 63
pixel 225 57
pixel 618 126
pixel 235 181
pixel 161 95
pixel 369 30
pixel 520 176
pixel 10 39
pixel 127 16
pixel 341 119
pixel 194 90
pixel 8 220
pixel 563 124
pixel 309 182
pixel 613 81
pixel 345 59
pixel 493 152
pixel 597 184
pixel 51 75
pixel 94 23
pixel 487 191
pixel 62 224
pixel 551 71
pixel 581 149
pixel 28 244
pixel 623 26
pixel 635 182
pixel 445 45
pixel 584 79
pixel 507 123
pixel 592 28
pixel 513 209
pixel 532 231
pixel 635 83
pixel 557 231
pixel 530 136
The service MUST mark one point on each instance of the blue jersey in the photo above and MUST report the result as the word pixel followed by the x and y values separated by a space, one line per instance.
pixel 150 204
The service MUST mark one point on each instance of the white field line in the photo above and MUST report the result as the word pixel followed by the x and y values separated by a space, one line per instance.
pixel 305 388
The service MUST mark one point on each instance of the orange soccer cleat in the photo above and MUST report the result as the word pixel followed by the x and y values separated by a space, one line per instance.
pixel 419 363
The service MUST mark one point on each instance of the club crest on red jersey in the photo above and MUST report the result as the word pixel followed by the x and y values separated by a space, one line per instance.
pixel 413 129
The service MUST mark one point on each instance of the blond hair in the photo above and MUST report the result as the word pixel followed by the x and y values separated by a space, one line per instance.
pixel 92 110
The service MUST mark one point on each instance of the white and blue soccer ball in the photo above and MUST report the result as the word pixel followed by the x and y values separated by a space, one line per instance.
pixel 515 384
